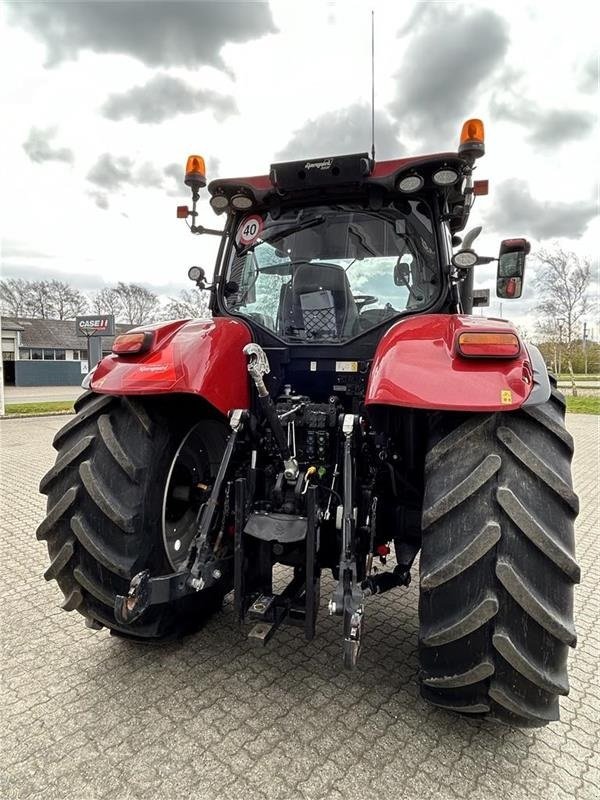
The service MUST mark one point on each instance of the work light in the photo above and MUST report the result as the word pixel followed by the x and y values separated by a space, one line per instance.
pixel 241 202
pixel 445 177
pixel 410 183
pixel 219 203
pixel 464 259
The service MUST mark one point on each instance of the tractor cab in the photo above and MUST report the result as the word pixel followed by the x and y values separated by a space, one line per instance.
pixel 332 251
pixel 324 252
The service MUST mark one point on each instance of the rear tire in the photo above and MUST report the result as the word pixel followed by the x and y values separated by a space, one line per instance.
pixel 105 511
pixel 497 564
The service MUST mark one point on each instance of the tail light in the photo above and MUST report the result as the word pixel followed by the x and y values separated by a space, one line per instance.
pixel 488 345
pixel 129 344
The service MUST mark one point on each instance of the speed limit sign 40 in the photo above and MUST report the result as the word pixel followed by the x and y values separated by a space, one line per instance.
pixel 250 229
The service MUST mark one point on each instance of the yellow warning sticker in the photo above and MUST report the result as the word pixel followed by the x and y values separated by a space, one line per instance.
pixel 506 397
pixel 346 366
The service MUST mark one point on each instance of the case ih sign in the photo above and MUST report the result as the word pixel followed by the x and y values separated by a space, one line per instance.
pixel 98 325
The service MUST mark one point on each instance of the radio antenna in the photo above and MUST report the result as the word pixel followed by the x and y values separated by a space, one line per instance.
pixel 373 85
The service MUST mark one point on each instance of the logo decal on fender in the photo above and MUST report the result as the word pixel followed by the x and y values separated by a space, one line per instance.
pixel 506 397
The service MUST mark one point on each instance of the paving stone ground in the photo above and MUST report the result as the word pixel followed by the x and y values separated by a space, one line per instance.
pixel 86 715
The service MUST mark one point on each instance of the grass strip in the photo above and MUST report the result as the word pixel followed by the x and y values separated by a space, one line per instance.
pixel 578 378
pixel 583 405
pixel 39 408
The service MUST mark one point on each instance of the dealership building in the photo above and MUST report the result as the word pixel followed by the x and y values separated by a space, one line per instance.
pixel 46 352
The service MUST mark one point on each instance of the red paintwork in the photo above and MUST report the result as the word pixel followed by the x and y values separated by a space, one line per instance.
pixel 383 169
pixel 416 364
pixel 260 182
pixel 202 357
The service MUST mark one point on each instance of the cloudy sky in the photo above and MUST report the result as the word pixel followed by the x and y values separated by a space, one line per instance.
pixel 103 101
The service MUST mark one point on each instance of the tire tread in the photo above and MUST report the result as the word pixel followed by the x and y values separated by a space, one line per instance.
pixel 99 527
pixel 497 563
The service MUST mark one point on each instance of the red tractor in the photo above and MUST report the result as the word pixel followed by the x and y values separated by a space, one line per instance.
pixel 341 399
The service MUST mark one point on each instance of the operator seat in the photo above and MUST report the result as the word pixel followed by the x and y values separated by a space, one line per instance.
pixel 318 302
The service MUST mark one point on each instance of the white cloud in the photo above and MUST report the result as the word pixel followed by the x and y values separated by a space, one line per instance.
pixel 516 210
pixel 158 33
pixel 313 63
pixel 164 97
pixel 39 147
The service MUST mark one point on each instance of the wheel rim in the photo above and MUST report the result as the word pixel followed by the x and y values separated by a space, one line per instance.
pixel 187 488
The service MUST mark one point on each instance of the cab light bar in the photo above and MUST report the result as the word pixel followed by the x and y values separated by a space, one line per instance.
pixel 128 344
pixel 488 345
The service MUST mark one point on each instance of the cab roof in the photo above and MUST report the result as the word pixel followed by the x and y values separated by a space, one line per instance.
pixel 317 179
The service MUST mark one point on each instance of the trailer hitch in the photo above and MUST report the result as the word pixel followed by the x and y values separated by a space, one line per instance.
pixel 145 591
pixel 203 569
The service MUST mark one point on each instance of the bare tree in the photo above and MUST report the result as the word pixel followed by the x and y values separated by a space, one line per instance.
pixel 562 285
pixel 15 297
pixel 189 304
pixel 106 301
pixel 41 305
pixel 138 304
pixel 65 302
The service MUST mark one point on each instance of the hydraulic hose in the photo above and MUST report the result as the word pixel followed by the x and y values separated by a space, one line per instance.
pixel 258 365
pixel 270 412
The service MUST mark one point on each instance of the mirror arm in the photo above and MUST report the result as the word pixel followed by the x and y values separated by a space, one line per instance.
pixel 200 229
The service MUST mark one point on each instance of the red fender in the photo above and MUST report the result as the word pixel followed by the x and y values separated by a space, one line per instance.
pixel 417 365
pixel 202 357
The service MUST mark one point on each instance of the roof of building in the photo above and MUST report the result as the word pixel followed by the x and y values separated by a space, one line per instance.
pixel 10 324
pixel 60 333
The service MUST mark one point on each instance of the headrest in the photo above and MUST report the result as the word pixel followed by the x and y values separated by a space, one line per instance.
pixel 313 277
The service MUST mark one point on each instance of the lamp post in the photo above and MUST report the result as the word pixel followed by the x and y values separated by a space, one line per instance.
pixel 560 329
pixel 585 362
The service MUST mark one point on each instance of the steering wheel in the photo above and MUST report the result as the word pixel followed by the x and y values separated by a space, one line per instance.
pixel 363 300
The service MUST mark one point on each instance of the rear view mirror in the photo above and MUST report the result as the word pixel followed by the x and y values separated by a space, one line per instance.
pixel 401 273
pixel 511 268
